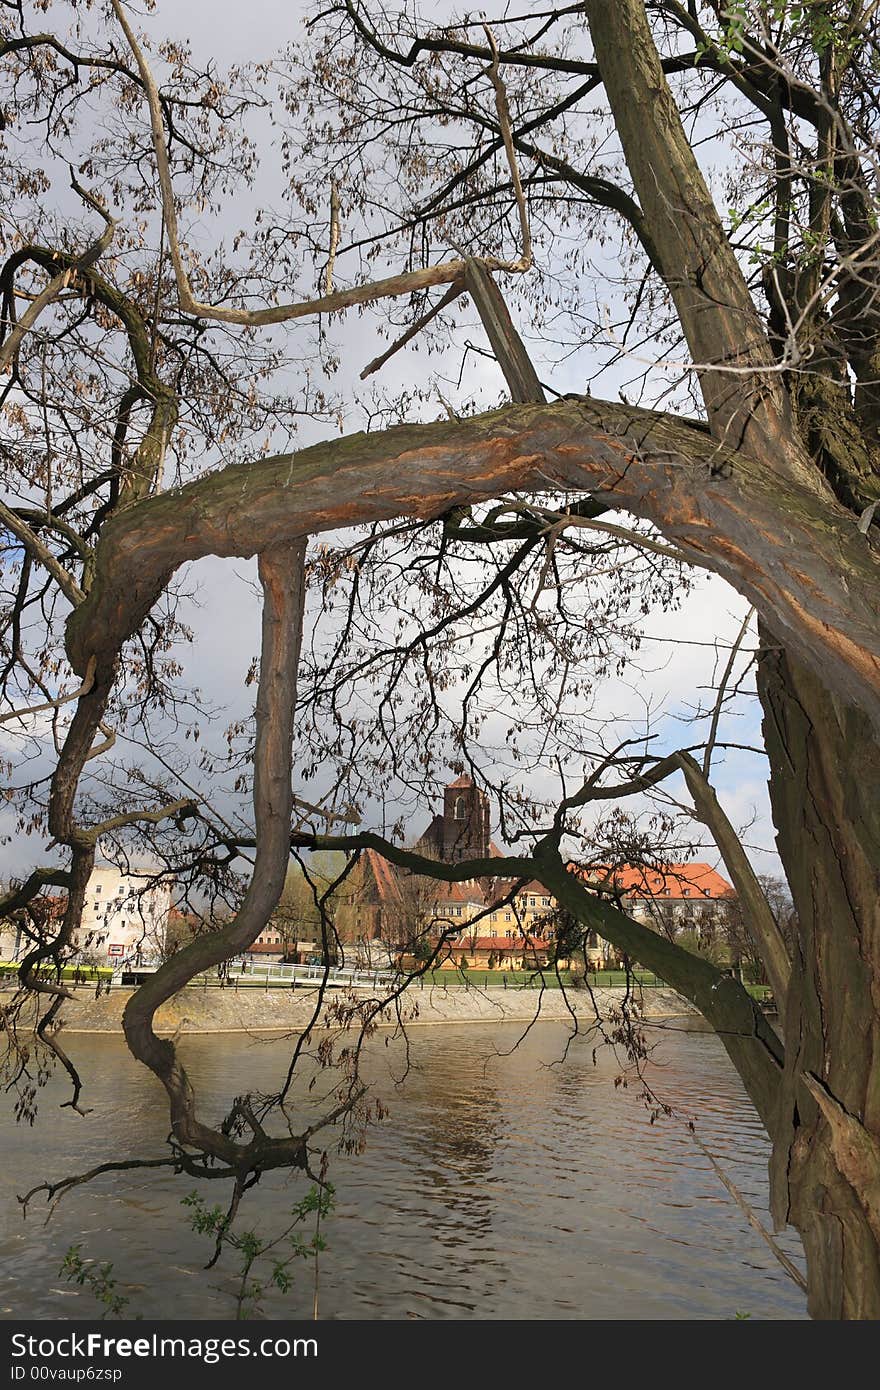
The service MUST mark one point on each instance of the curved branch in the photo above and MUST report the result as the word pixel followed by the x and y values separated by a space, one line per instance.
pixel 797 556
pixel 35 547
pixel 451 272
pixel 282 574
pixel 53 704
pixel 93 253
pixel 146 469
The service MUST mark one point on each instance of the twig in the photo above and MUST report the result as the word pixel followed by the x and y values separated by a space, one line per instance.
pixel 451 294
pixel 334 236
pixel 447 273
pixel 61 700
pixel 507 136
pixel 722 691
pixel 748 1212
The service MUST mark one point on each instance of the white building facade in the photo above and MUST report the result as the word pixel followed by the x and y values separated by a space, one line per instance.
pixel 124 918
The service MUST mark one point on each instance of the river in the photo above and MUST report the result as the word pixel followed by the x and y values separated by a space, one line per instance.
pixel 514 1183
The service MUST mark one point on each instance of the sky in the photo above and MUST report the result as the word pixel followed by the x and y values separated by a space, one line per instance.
pixel 682 648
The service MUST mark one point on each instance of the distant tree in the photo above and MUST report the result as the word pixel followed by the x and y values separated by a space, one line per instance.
pixel 298 915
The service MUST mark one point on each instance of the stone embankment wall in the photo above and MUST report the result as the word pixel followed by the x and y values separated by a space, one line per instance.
pixel 198 1010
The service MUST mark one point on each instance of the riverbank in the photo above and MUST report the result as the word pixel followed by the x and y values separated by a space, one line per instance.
pixel 198 1010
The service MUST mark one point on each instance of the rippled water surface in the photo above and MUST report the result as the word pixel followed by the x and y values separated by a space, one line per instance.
pixel 504 1184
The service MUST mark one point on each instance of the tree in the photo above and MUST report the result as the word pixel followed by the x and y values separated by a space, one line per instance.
pixel 298 914
pixel 741 940
pixel 774 487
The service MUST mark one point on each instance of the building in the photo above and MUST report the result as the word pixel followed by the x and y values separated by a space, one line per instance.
pixel 498 923
pixel 674 898
pixel 124 918
pixel 461 829
pixel 512 928
pixel 41 919
pixel 486 921
pixel 386 909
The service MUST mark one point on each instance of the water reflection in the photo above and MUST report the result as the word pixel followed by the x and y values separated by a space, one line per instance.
pixel 501 1186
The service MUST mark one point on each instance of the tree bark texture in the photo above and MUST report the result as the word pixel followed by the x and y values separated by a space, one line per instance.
pixel 283 582
pixel 798 556
pixel 825 766
pixel 825 772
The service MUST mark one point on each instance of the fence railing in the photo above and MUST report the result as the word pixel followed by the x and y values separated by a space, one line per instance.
pixel 246 972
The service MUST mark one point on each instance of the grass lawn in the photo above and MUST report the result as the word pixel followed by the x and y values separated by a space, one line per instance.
pixel 531 979
pixel 69 972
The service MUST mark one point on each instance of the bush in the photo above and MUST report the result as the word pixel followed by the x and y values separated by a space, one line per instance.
pixel 577 973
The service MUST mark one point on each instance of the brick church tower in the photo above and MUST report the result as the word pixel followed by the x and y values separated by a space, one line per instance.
pixel 462 830
pixel 465 832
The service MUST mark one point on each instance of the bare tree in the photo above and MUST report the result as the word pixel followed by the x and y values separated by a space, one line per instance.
pixel 501 515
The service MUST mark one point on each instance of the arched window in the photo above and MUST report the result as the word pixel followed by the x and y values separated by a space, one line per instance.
pixel 460 809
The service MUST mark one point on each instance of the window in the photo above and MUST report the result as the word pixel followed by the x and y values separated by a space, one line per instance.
pixel 460 809
pixel 98 888
pixel 685 892
pixel 531 902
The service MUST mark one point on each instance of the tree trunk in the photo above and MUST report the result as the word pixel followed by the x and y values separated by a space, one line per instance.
pixel 825 1169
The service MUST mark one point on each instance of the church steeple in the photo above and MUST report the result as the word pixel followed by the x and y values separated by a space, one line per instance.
pixel 465 830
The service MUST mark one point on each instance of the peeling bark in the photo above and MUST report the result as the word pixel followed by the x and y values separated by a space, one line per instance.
pixel 798 557
pixel 283 581
pixel 825 771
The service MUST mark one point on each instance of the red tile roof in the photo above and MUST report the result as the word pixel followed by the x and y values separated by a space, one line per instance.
pixel 463 781
pixel 459 893
pixel 671 881
pixel 385 878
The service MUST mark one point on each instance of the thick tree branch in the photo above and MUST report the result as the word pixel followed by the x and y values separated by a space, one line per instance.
pixel 746 405
pixel 760 922
pixel 282 574
pixel 145 471
pixel 799 559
